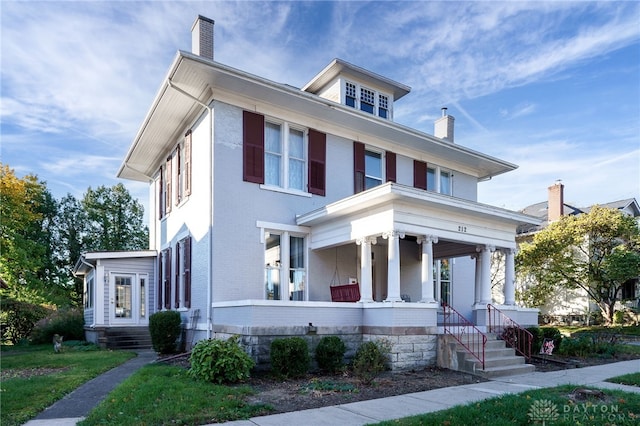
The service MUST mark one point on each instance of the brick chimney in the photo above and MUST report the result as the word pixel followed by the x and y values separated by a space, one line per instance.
pixel 202 37
pixel 443 126
pixel 555 206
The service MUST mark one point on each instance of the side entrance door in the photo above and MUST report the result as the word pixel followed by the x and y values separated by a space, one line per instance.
pixel 128 298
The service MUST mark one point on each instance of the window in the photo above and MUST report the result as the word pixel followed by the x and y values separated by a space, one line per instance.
pixel 123 297
pixel 368 167
pixel 285 256
pixel 383 106
pixel 143 297
pixel 88 293
pixel 442 280
pixel 432 178
pixel 282 155
pixel 368 100
pixel 350 95
pixel 163 296
pixel 372 169
pixel 182 284
pixel 177 168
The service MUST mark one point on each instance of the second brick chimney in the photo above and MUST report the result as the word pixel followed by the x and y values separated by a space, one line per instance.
pixel 555 206
pixel 202 37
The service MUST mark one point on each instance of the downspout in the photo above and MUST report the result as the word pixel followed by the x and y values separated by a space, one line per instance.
pixel 210 271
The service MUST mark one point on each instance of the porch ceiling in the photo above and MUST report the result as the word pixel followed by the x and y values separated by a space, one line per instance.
pixel 391 206
pixel 193 82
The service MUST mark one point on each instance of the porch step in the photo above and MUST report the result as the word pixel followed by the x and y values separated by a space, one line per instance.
pixel 499 360
pixel 128 338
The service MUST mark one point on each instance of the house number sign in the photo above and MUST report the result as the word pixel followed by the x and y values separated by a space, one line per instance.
pixel 462 228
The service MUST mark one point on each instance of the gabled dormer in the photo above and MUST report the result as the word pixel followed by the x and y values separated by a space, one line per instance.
pixel 358 88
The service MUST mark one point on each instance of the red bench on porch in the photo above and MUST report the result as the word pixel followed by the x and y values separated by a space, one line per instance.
pixel 345 293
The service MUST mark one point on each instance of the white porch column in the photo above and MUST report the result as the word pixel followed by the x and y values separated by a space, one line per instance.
pixel 393 265
pixel 427 242
pixel 366 284
pixel 485 294
pixel 478 278
pixel 509 277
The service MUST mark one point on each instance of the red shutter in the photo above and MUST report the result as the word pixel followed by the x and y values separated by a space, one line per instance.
pixel 187 164
pixel 358 167
pixel 317 162
pixel 390 159
pixel 168 179
pixel 167 278
pixel 187 272
pixel 176 282
pixel 179 172
pixel 252 147
pixel 161 194
pixel 160 281
pixel 419 174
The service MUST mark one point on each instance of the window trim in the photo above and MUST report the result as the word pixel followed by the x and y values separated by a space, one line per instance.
pixel 284 267
pixel 381 153
pixel 285 132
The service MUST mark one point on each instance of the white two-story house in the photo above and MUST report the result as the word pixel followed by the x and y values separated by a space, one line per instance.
pixel 265 196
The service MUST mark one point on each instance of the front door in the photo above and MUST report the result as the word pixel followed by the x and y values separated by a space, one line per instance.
pixel 128 298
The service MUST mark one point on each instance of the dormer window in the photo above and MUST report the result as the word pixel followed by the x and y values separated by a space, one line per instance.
pixel 350 95
pixel 366 99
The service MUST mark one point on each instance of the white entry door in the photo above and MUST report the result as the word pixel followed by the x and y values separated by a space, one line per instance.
pixel 128 296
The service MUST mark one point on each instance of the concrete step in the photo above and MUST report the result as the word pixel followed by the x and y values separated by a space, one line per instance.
pixel 503 361
pixel 509 370
pixel 128 338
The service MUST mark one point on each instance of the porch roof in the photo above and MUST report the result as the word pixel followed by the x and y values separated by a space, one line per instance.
pixel 88 260
pixel 414 211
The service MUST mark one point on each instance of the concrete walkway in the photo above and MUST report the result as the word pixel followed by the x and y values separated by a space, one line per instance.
pixel 75 406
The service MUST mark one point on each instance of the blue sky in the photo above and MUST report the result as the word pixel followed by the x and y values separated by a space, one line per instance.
pixel 553 87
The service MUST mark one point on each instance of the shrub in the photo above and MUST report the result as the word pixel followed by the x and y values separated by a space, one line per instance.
pixel 577 346
pixel 220 361
pixel 553 333
pixel 330 353
pixel 371 359
pixel 68 323
pixel 538 338
pixel 19 318
pixel 164 328
pixel 289 357
pixel 618 317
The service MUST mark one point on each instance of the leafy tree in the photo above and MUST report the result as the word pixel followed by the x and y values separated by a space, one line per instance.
pixel 115 220
pixel 597 252
pixel 27 211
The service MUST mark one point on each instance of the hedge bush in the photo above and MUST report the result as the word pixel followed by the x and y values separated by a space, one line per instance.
pixel 220 361
pixel 289 357
pixel 17 319
pixel 68 323
pixel 330 353
pixel 164 328
pixel 371 359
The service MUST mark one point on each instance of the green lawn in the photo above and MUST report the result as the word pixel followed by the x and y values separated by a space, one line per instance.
pixel 632 379
pixel 551 405
pixel 34 377
pixel 164 395
pixel 629 330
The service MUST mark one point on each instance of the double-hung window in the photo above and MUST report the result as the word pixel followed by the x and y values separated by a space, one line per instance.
pixel 432 178
pixel 372 169
pixel 285 257
pixel 284 156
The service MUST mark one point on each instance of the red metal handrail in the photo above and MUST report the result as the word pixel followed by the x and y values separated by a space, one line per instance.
pixel 465 333
pixel 510 331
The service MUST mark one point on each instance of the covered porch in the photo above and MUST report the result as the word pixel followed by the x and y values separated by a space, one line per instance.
pixel 404 245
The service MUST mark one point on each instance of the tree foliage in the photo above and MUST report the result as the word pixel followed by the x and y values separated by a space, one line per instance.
pixel 41 239
pixel 596 252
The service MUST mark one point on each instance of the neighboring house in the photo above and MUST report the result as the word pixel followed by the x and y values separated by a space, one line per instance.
pixel 572 306
pixel 265 197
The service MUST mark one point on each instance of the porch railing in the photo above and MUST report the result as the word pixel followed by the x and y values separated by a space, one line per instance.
pixel 464 332
pixel 514 335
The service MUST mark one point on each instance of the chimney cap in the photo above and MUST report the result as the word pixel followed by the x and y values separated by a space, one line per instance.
pixel 202 18
pixel 444 111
